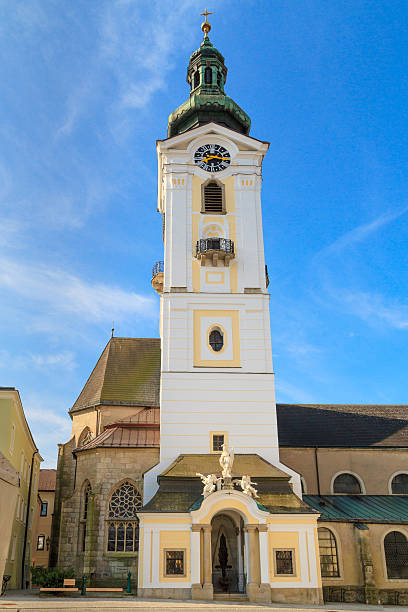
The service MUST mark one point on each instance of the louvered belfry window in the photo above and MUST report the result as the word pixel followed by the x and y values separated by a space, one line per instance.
pixel 213 198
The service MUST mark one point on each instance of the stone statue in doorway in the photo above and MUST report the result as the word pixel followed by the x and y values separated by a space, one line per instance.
pixel 226 461
pixel 209 482
pixel 247 486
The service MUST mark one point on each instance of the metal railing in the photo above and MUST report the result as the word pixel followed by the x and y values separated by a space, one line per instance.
pixel 157 268
pixel 204 245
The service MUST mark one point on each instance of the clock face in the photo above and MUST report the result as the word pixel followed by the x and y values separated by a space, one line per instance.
pixel 212 157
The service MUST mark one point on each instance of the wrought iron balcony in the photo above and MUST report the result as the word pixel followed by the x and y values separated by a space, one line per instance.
pixel 215 249
pixel 158 276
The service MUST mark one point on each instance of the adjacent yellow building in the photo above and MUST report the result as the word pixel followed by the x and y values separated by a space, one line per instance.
pixel 43 523
pixel 19 449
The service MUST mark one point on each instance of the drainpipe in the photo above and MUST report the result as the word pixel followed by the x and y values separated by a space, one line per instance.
pixel 27 520
pixel 317 470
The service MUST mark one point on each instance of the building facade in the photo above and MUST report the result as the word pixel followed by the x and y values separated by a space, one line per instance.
pixel 148 482
pixel 19 449
pixel 43 523
pixel 9 485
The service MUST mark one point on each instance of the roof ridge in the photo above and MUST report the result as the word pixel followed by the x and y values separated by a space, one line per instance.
pixel 99 392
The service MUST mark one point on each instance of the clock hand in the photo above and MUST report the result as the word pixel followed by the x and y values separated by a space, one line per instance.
pixel 214 157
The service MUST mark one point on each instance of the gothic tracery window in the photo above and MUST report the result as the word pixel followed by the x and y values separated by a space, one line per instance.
pixel 123 528
pixel 85 437
pixel 84 517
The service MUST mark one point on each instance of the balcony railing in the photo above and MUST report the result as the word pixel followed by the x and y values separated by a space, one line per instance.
pixel 157 268
pixel 215 249
pixel 158 276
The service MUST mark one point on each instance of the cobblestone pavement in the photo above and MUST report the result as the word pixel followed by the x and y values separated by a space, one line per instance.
pixel 23 601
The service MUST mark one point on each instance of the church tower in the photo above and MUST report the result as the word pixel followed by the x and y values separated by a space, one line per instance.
pixel 217 379
pixel 246 530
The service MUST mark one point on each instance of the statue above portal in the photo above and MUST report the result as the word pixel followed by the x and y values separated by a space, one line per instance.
pixel 247 486
pixel 226 461
pixel 209 482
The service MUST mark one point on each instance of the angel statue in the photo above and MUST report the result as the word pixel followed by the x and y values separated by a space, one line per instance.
pixel 247 486
pixel 209 483
pixel 226 461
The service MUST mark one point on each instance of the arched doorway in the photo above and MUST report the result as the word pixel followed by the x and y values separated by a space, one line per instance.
pixel 227 547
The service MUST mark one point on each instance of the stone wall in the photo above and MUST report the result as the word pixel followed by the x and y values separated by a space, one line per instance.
pixel 104 469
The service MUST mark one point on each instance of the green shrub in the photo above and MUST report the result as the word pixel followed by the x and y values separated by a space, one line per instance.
pixel 53 577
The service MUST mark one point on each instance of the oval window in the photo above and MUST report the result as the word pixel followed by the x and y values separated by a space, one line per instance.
pixel 216 340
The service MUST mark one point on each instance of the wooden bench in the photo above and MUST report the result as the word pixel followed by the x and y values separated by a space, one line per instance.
pixel 103 589
pixel 68 587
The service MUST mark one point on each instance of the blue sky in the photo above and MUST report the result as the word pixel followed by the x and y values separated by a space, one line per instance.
pixel 86 91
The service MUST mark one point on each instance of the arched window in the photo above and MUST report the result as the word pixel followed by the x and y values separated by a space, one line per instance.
pixel 396 555
pixel 213 198
pixel 347 484
pixel 399 484
pixel 123 529
pixel 85 437
pixel 329 561
pixel 216 339
pixel 196 79
pixel 84 512
pixel 219 79
pixel 208 76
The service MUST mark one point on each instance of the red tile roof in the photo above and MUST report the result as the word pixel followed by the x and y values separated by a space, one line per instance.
pixel 47 480
pixel 140 430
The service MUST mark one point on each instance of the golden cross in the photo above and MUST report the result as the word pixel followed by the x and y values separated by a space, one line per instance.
pixel 206 27
pixel 206 13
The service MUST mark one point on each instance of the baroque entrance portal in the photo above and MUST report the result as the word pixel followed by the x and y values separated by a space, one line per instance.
pixel 227 546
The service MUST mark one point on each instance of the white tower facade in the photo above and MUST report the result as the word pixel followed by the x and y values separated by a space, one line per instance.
pixel 217 379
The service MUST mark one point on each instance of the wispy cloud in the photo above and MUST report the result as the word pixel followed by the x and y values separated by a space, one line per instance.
pixel 288 392
pixel 64 361
pixel 361 232
pixel 375 309
pixel 344 290
pixel 59 292
pixel 49 423
pixel 134 50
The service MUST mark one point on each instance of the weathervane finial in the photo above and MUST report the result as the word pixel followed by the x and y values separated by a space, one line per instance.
pixel 205 26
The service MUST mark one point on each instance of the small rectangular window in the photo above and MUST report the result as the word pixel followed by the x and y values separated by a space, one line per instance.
pixel 174 562
pixel 284 563
pixel 218 441
pixel 44 509
pixel 41 542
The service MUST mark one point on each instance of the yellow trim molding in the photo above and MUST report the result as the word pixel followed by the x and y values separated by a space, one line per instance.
pixel 217 433
pixel 235 362
pixel 213 273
